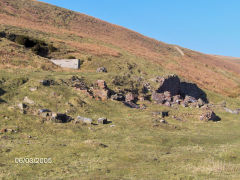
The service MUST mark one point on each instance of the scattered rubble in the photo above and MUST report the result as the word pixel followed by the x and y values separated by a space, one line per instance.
pixel 54 117
pixel 171 91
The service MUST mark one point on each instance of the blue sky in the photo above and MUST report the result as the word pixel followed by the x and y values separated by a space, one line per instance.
pixel 209 26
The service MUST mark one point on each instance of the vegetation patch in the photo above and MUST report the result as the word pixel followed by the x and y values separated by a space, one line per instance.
pixel 39 47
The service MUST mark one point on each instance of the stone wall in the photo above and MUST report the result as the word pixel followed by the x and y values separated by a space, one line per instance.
pixel 67 63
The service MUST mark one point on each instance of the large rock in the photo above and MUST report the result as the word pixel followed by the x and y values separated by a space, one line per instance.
pixel 209 115
pixel 102 120
pixel 60 118
pixel 170 84
pixel 83 120
pixel 101 92
pixel 45 113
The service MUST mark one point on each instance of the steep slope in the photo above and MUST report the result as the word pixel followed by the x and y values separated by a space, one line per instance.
pixel 85 35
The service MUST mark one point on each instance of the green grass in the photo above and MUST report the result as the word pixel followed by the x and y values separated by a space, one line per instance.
pixel 138 147
pixel 188 149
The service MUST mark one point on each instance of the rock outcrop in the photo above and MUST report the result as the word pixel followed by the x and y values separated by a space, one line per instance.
pixel 170 84
pixel 171 91
pixel 101 91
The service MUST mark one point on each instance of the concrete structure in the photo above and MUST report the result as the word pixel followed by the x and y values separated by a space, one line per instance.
pixel 67 63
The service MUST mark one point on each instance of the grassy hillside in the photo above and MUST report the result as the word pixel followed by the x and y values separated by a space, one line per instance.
pixel 136 144
pixel 81 35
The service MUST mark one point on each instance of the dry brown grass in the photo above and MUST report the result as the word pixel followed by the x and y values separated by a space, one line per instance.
pixel 94 49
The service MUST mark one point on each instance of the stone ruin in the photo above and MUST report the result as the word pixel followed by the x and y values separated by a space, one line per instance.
pixel 172 91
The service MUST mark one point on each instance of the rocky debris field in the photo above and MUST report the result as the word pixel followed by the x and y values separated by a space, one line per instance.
pixel 170 92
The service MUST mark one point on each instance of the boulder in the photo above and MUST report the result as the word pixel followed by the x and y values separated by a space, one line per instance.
pixel 102 121
pixel 60 118
pixel 83 120
pixel 101 92
pixel 45 113
pixel 209 115
pixel 101 70
pixel 170 84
